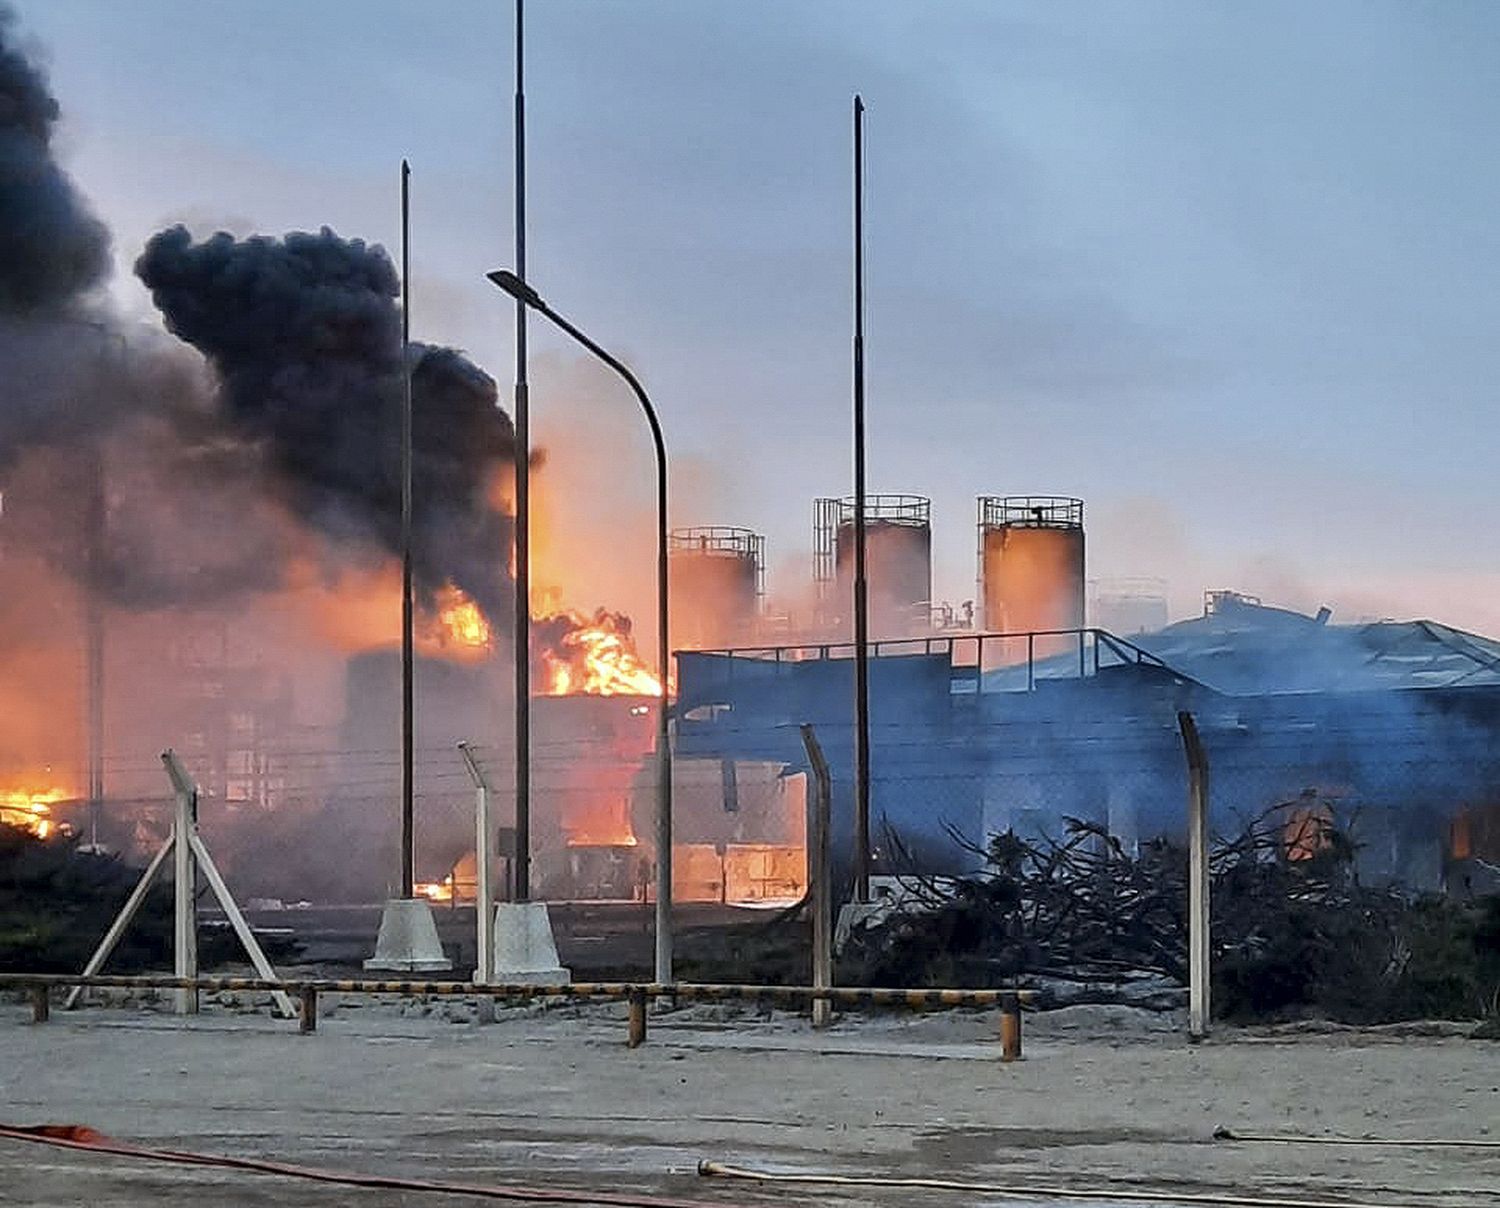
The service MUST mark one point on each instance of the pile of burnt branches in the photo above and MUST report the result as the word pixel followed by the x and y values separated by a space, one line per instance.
pixel 1077 906
pixel 1293 927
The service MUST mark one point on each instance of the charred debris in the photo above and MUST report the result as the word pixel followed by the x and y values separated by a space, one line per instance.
pixel 1295 932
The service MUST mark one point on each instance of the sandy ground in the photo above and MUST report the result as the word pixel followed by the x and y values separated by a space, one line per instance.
pixel 553 1097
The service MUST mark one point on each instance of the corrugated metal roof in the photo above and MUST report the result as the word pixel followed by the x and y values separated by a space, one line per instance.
pixel 1246 649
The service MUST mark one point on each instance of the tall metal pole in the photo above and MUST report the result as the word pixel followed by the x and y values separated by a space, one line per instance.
pixel 408 863
pixel 663 732
pixel 523 510
pixel 861 586
pixel 94 643
pixel 95 523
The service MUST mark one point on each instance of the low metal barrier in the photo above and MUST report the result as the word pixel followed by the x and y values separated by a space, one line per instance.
pixel 636 994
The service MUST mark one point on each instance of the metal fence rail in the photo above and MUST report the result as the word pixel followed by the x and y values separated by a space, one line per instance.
pixel 637 994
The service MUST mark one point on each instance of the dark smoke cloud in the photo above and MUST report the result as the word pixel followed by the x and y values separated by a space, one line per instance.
pixel 183 521
pixel 304 333
pixel 52 250
pixel 209 476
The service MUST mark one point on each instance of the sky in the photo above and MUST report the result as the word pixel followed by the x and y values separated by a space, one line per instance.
pixel 1227 272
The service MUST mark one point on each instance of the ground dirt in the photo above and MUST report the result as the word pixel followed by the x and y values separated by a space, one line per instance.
pixel 1106 1097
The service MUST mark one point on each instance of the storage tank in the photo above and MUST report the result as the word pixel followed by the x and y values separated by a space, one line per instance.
pixel 898 561
pixel 1031 566
pixel 1128 607
pixel 717 582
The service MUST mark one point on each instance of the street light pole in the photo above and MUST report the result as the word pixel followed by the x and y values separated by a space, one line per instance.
pixel 523 293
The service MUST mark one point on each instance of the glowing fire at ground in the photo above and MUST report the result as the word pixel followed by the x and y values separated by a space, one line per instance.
pixel 31 809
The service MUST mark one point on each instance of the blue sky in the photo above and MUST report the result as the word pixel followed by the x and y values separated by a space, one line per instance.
pixel 1229 272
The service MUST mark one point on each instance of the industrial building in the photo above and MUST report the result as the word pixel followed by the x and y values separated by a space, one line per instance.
pixel 1394 726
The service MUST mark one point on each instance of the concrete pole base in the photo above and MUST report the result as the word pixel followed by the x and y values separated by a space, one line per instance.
pixel 525 950
pixel 408 940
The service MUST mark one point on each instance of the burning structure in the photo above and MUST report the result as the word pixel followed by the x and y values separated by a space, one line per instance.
pixel 210 523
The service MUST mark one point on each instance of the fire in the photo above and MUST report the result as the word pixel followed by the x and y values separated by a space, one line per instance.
pixel 31 809
pixel 460 623
pixel 591 655
pixel 435 891
pixel 600 821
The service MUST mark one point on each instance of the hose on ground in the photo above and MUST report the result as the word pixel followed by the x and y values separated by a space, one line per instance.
pixel 81 1137
pixel 1230 1134
pixel 1114 1195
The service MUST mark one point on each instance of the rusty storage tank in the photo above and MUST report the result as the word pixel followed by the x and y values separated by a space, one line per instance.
pixel 717 584
pixel 1031 564
pixel 898 560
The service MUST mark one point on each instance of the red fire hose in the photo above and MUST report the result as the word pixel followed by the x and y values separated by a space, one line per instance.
pixel 88 1140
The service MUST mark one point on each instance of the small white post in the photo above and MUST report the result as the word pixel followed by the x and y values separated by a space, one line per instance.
pixel 484 908
pixel 184 872
pixel 1199 1007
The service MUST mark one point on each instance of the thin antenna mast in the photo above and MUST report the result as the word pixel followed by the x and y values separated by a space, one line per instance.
pixel 408 864
pixel 861 586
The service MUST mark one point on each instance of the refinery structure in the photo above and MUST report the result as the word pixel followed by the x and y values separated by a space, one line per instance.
pixel 1018 712
pixel 210 559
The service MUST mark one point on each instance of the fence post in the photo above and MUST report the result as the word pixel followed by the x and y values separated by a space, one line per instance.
pixel 820 887
pixel 1010 1029
pixel 308 1015
pixel 1199 1007
pixel 185 887
pixel 484 898
pixel 637 1034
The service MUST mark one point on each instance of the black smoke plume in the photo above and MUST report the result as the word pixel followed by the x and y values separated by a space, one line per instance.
pixel 52 249
pixel 304 334
pixel 81 403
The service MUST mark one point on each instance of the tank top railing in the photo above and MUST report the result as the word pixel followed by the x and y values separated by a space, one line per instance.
pixel 981 662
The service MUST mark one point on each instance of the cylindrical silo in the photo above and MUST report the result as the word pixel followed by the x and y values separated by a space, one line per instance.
pixel 1031 565
pixel 716 586
pixel 898 561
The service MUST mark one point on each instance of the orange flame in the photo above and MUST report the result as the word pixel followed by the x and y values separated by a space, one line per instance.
pixel 460 625
pixel 31 809
pixel 592 655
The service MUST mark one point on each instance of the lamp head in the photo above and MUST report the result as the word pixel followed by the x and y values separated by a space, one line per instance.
pixel 516 288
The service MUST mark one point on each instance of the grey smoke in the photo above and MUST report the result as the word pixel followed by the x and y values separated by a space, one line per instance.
pixel 304 334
